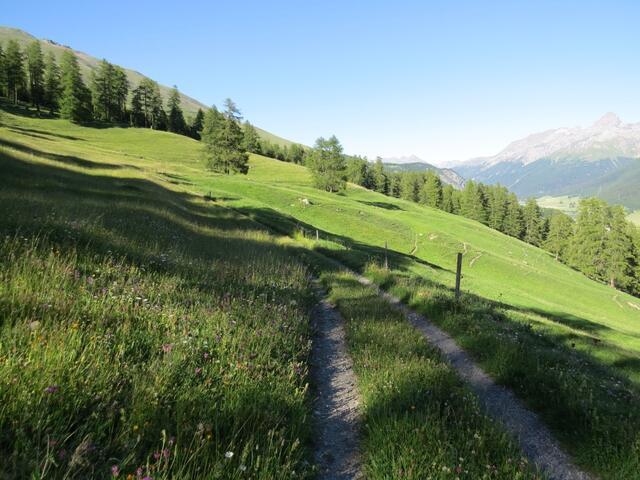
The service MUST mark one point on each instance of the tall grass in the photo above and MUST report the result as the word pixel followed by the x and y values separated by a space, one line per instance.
pixel 145 334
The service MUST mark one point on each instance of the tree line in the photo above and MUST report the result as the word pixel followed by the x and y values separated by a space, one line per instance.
pixel 600 242
pixel 30 76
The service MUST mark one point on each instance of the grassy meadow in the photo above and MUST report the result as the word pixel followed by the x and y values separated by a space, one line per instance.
pixel 124 262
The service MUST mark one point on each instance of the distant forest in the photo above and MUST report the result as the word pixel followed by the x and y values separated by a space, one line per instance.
pixel 600 242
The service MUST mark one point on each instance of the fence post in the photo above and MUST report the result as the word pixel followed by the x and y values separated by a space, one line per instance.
pixel 317 235
pixel 386 257
pixel 458 275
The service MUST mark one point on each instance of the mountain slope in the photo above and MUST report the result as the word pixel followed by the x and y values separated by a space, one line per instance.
pixel 88 63
pixel 601 159
pixel 415 164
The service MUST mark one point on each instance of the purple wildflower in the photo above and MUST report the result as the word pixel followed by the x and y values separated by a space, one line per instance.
pixel 166 453
pixel 52 389
pixel 115 471
pixel 167 347
pixel 198 370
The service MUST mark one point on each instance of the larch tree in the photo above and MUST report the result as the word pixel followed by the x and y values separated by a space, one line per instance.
pixel 195 128
pixel 534 224
pixel 380 180
pixel 75 99
pixel 35 70
pixel 473 203
pixel 175 120
pixel 14 70
pixel 251 140
pixel 448 203
pixel 559 235
pixel 587 247
pixel 619 250
pixel 513 221
pixel 52 88
pixel 431 190
pixel 223 142
pixel 327 164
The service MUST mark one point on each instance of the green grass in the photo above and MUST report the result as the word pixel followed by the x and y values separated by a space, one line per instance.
pixel 570 347
pixel 144 328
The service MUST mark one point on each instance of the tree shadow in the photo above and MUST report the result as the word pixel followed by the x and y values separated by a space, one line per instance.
pixel 66 159
pixel 385 205
pixel 39 133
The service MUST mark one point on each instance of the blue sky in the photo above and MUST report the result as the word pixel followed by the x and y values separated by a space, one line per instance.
pixel 445 80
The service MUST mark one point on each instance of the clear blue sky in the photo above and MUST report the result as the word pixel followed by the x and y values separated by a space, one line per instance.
pixel 444 80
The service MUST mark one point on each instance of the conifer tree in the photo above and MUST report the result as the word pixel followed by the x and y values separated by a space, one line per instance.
pixel 559 236
pixel 223 142
pixel 448 203
pixel 473 203
pixel 35 69
pixel 619 250
pixel 431 190
pixel 251 140
pixel 534 225
pixel 410 186
pixel 146 105
pixel 379 177
pixel 75 100
pixel 14 70
pixel 120 92
pixel 52 88
pixel 196 125
pixel 394 184
pixel 514 222
pixel 102 91
pixel 327 164
pixel 176 122
pixel 587 247
pixel 498 205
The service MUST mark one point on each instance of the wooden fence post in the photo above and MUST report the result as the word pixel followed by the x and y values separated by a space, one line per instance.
pixel 317 235
pixel 458 275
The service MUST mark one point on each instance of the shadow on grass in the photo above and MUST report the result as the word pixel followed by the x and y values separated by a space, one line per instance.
pixel 385 205
pixel 43 133
pixel 66 159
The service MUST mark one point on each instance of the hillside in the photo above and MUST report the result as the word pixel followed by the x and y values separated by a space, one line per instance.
pixel 415 164
pixel 88 63
pixel 569 347
pixel 601 159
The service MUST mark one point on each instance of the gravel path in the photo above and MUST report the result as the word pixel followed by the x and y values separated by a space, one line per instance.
pixel 335 408
pixel 534 438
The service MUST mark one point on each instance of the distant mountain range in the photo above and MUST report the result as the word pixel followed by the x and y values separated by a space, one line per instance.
pixel 88 63
pixel 602 159
pixel 415 164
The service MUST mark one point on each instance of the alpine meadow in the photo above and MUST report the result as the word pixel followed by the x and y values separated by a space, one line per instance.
pixel 186 295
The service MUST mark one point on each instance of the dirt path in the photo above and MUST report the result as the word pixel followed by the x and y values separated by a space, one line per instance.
pixel 534 438
pixel 335 408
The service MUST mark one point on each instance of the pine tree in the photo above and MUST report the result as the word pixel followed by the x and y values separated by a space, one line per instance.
pixel 448 203
pixel 619 250
pixel 197 124
pixel 146 106
pixel 327 164
pixel 394 184
pixel 473 203
pixel 379 177
pixel 35 69
pixel 120 85
pixel 223 143
pixel 358 171
pixel 533 223
pixel 52 88
pixel 559 236
pixel 75 100
pixel 410 186
pixel 176 123
pixel 251 140
pixel 514 221
pixel 587 246
pixel 498 205
pixel 14 70
pixel 431 190
pixel 102 90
